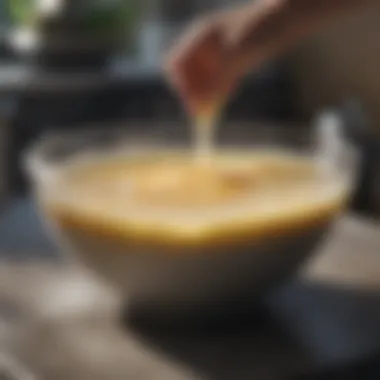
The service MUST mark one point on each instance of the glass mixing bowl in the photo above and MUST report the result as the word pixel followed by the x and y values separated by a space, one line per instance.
pixel 205 278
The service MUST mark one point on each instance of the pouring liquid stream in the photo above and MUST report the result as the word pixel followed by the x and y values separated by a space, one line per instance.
pixel 204 128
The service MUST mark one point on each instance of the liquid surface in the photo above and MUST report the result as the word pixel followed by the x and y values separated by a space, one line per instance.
pixel 173 196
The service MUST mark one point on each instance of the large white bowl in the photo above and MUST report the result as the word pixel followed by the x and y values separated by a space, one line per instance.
pixel 155 281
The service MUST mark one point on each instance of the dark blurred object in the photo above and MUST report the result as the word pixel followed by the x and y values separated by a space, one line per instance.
pixel 367 370
pixel 321 332
pixel 175 11
pixel 73 57
pixel 5 50
pixel 7 108
pixel 366 199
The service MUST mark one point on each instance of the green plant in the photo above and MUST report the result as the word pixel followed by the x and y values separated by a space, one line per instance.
pixel 102 18
pixel 109 19
pixel 22 12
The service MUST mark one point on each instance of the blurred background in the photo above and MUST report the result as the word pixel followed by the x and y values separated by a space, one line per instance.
pixel 76 64
pixel 85 63
pixel 73 64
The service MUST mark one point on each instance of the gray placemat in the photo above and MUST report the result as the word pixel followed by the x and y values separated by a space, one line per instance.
pixel 22 234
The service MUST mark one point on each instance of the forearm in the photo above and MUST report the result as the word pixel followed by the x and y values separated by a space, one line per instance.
pixel 270 27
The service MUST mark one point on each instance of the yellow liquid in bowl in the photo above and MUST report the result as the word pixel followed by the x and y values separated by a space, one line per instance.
pixel 170 199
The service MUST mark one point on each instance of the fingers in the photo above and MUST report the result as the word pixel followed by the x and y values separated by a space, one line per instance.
pixel 195 65
pixel 202 33
pixel 198 50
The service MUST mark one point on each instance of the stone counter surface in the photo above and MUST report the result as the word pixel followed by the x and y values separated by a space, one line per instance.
pixel 59 323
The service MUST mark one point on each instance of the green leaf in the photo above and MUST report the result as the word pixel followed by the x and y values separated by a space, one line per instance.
pixel 110 20
pixel 97 18
pixel 22 12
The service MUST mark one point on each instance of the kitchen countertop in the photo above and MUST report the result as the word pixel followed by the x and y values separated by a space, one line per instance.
pixel 61 323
